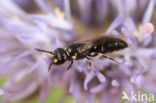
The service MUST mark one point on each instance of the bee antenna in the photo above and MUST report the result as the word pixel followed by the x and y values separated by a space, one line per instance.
pixel 40 50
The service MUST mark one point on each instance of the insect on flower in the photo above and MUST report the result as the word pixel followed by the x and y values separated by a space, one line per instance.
pixel 86 49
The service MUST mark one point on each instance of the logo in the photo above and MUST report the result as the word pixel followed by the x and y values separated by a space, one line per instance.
pixel 138 97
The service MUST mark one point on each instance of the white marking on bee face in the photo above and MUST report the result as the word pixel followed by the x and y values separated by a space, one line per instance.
pixel 55 60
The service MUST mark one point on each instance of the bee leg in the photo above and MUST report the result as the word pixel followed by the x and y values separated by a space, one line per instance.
pixel 110 59
pixel 50 66
pixel 70 65
pixel 90 64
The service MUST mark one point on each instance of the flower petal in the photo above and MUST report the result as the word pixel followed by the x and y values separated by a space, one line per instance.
pixel 88 78
pixel 148 14
pixel 117 21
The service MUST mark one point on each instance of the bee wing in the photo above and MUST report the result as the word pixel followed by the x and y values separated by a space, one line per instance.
pixel 88 43
pixel 85 46
pixel 92 41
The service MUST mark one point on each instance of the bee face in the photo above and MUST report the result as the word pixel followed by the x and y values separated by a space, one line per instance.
pixel 59 56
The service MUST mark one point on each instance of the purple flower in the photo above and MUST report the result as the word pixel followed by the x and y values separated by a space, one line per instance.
pixel 53 26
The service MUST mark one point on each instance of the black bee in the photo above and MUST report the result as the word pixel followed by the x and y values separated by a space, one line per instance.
pixel 91 48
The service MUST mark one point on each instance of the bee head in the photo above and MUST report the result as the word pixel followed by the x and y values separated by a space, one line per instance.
pixel 59 56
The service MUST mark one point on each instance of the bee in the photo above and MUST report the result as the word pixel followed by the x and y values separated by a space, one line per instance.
pixel 87 49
